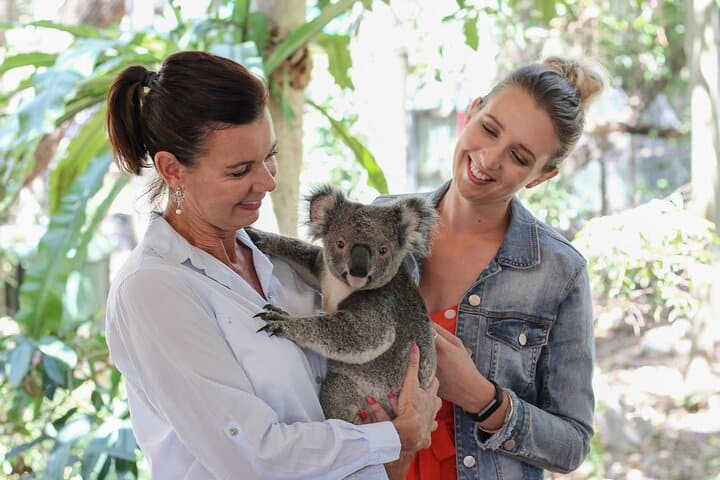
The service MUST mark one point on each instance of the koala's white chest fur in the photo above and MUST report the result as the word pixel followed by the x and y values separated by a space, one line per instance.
pixel 334 291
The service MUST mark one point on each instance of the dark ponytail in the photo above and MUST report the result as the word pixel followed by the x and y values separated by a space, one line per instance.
pixel 173 110
pixel 124 121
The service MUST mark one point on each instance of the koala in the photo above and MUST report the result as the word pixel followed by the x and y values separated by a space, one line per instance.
pixel 373 308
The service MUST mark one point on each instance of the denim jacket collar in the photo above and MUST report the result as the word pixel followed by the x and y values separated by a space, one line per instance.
pixel 521 247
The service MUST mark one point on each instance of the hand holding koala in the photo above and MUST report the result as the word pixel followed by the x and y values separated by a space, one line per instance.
pixel 374 311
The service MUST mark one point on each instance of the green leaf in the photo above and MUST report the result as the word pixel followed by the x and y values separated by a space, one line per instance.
pixel 59 350
pixel 75 430
pixel 44 284
pixel 86 145
pixel 83 31
pixel 339 60
pixel 471 32
pixel 56 370
pixel 58 460
pixel 19 360
pixel 95 455
pixel 258 31
pixel 376 177
pixel 124 447
pixel 36 59
pixel 305 33
pixel 240 13
pixel 54 87
pixel 547 9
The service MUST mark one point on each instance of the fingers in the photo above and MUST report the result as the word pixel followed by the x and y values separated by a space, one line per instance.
pixel 393 399
pixel 434 386
pixel 444 334
pixel 377 410
pixel 411 375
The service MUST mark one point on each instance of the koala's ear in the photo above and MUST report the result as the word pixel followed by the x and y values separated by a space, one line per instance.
pixel 418 218
pixel 320 203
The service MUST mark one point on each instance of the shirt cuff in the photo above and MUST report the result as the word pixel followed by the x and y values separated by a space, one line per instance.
pixel 383 441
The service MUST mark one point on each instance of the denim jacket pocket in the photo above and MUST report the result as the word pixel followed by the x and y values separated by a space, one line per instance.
pixel 517 345
pixel 519 331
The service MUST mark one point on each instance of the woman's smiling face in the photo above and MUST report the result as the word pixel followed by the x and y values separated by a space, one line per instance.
pixel 231 176
pixel 505 146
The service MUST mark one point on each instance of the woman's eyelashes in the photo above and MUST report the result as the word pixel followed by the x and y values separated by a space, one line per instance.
pixel 519 159
pixel 489 130
pixel 242 172
pixel 516 156
pixel 245 169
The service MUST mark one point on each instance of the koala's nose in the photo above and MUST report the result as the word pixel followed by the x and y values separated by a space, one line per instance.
pixel 359 260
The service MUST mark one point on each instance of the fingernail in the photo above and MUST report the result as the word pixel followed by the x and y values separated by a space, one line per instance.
pixel 392 396
pixel 415 348
pixel 371 401
pixel 363 415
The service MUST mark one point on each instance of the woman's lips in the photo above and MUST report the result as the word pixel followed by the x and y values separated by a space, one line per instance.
pixel 477 175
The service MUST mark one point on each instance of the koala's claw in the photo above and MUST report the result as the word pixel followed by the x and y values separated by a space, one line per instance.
pixel 273 328
pixel 272 308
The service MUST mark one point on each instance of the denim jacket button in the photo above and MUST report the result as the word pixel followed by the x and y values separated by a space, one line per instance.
pixel 522 339
pixel 474 300
pixel 509 445
pixel 469 461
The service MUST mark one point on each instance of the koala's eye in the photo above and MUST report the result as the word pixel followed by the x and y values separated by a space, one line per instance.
pixel 340 244
pixel 383 250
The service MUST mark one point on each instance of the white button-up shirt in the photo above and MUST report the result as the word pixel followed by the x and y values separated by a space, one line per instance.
pixel 211 398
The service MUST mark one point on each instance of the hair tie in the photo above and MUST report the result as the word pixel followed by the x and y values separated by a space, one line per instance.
pixel 148 78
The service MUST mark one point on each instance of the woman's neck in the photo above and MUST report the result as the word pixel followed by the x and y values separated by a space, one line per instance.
pixel 464 217
pixel 220 244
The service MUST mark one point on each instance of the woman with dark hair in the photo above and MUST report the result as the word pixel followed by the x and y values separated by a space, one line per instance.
pixel 510 297
pixel 209 396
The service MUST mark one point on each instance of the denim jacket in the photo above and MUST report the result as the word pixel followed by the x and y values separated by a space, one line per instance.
pixel 527 322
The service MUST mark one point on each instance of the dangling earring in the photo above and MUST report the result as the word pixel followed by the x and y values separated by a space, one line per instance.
pixel 179 199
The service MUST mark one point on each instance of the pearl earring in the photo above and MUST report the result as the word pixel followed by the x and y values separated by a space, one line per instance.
pixel 179 199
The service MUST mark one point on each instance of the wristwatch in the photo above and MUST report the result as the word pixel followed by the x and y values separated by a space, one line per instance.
pixel 490 408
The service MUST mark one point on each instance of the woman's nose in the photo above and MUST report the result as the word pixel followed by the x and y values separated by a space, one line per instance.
pixel 490 158
pixel 266 179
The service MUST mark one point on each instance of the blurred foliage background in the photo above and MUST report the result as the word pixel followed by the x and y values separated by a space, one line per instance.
pixel 368 95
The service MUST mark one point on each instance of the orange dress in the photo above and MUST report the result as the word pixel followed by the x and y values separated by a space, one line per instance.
pixel 437 462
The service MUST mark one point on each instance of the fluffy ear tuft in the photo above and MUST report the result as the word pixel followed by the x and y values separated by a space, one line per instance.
pixel 321 201
pixel 418 218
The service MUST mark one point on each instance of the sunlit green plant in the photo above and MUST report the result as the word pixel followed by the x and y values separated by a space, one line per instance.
pixel 649 258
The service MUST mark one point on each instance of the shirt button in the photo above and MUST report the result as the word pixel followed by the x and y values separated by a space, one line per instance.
pixel 469 461
pixel 522 339
pixel 450 313
pixel 474 300
pixel 509 445
pixel 233 432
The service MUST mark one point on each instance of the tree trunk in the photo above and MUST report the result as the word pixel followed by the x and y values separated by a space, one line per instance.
pixel 286 17
pixel 701 38
pixel 702 53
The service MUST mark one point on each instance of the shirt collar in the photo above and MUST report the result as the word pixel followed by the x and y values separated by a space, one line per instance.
pixel 173 247
pixel 521 247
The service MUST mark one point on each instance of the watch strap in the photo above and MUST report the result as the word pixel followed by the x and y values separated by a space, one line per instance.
pixel 491 407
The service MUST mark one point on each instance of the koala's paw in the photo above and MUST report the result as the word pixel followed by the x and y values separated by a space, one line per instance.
pixel 255 235
pixel 275 320
pixel 272 308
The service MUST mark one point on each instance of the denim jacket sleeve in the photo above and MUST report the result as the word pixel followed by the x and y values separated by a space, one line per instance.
pixel 555 435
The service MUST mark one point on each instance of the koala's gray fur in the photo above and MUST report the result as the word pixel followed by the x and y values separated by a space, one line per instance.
pixel 374 310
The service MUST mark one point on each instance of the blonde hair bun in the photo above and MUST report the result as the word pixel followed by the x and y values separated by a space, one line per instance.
pixel 587 80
